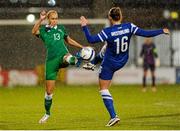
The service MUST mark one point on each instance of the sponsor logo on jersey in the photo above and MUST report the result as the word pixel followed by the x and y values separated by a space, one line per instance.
pixel 121 32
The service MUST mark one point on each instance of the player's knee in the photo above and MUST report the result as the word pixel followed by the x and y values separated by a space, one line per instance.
pixel 49 89
pixel 48 95
pixel 50 76
pixel 101 55
pixel 48 92
pixel 103 50
pixel 68 58
pixel 103 88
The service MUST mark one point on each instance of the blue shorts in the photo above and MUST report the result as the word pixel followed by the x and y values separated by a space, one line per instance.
pixel 107 69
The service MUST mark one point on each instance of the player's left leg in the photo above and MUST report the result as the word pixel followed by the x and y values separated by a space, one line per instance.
pixel 152 68
pixel 72 60
pixel 50 84
pixel 52 67
pixel 145 69
pixel 105 77
pixel 98 58
pixel 91 65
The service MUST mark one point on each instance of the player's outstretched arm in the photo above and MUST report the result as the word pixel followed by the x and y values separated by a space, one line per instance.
pixel 35 30
pixel 72 42
pixel 151 33
pixel 89 37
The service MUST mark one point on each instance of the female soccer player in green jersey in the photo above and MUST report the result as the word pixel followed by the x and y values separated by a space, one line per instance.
pixel 53 35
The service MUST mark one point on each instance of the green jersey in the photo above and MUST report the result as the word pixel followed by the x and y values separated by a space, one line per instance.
pixel 53 38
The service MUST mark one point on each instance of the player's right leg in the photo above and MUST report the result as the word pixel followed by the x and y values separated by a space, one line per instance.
pixel 52 67
pixel 105 77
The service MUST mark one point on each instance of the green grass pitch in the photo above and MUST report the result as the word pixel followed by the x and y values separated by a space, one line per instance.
pixel 81 108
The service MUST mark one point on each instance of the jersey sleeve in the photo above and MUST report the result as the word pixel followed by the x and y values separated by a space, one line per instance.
pixel 100 37
pixel 65 32
pixel 41 32
pixel 133 28
pixel 103 36
pixel 145 33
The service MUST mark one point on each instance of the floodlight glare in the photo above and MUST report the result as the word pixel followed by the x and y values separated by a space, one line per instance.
pixel 30 18
pixel 166 14
pixel 24 1
pixel 174 15
pixel 13 1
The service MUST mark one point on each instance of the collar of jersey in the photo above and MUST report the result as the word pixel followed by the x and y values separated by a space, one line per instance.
pixel 55 27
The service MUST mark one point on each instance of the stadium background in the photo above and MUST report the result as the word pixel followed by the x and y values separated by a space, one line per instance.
pixel 22 58
pixel 19 50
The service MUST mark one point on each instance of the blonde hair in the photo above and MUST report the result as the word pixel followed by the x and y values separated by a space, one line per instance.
pixel 51 12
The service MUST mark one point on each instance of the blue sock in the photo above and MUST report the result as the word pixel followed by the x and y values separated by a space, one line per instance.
pixel 98 58
pixel 78 56
pixel 108 102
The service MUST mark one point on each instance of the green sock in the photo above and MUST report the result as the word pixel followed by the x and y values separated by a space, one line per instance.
pixel 47 104
pixel 72 60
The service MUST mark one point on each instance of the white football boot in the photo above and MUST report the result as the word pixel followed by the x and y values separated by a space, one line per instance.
pixel 89 66
pixel 44 119
pixel 113 121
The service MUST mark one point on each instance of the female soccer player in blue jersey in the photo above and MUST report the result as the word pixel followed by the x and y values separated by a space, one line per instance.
pixel 118 37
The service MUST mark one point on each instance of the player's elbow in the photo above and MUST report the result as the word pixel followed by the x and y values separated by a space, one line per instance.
pixel 149 36
pixel 33 32
pixel 91 40
pixel 145 35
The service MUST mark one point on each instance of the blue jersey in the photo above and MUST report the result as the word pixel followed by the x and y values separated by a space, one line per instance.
pixel 118 40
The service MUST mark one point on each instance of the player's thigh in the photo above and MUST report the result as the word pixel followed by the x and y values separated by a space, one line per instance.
pixel 145 73
pixel 145 67
pixel 152 67
pixel 104 84
pixel 105 72
pixel 52 68
pixel 50 84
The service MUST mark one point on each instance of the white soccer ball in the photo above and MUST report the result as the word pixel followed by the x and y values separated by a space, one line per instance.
pixel 87 53
pixel 52 2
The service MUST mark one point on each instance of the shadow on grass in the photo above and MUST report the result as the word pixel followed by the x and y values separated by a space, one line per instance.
pixel 155 116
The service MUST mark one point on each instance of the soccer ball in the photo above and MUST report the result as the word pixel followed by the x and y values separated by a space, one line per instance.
pixel 87 53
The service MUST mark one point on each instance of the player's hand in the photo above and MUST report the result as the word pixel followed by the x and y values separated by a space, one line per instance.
pixel 166 31
pixel 43 15
pixel 83 21
pixel 140 61
pixel 157 62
